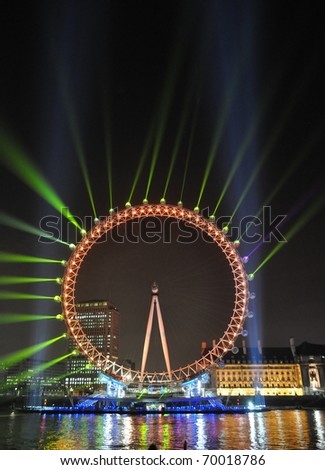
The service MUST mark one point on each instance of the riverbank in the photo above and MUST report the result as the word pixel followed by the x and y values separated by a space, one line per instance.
pixel 284 402
pixel 234 404
pixel 99 404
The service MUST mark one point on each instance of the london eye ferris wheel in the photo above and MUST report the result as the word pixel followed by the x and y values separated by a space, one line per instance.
pixel 221 242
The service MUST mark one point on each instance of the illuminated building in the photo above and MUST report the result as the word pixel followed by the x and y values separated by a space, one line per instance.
pixel 28 376
pixel 257 371
pixel 100 321
pixel 311 358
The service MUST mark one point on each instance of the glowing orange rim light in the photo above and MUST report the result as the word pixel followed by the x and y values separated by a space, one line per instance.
pixel 222 346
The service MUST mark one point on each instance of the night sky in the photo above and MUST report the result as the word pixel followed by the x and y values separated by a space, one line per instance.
pixel 230 90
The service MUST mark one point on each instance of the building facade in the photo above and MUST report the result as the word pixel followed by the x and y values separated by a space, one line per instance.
pixel 257 371
pixel 311 358
pixel 33 376
pixel 100 321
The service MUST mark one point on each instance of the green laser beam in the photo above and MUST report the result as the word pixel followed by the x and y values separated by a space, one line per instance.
pixel 82 159
pixel 17 356
pixel 178 140
pixel 76 137
pixel 7 318
pixel 18 258
pixel 189 149
pixel 265 154
pixel 14 158
pixel 109 173
pixel 300 223
pixel 154 158
pixel 269 96
pixel 237 74
pixel 156 147
pixel 278 129
pixel 219 129
pixel 51 363
pixel 140 394
pixel 250 181
pixel 241 152
pixel 13 222
pixel 302 155
pixel 4 295
pixel 27 374
pixel 167 96
pixel 11 280
pixel 63 376
pixel 143 158
pixel 108 150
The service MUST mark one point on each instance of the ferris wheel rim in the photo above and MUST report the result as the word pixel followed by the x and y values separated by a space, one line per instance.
pixel 222 346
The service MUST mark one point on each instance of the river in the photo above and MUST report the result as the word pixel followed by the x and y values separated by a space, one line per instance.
pixel 275 429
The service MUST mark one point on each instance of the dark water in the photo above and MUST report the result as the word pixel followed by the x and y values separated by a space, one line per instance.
pixel 286 429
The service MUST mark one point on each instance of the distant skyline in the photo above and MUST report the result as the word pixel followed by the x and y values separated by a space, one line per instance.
pixel 216 103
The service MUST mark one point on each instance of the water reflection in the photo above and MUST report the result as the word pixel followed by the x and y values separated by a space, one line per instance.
pixel 319 419
pixel 257 433
pixel 107 432
pixel 286 429
pixel 301 426
pixel 200 432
